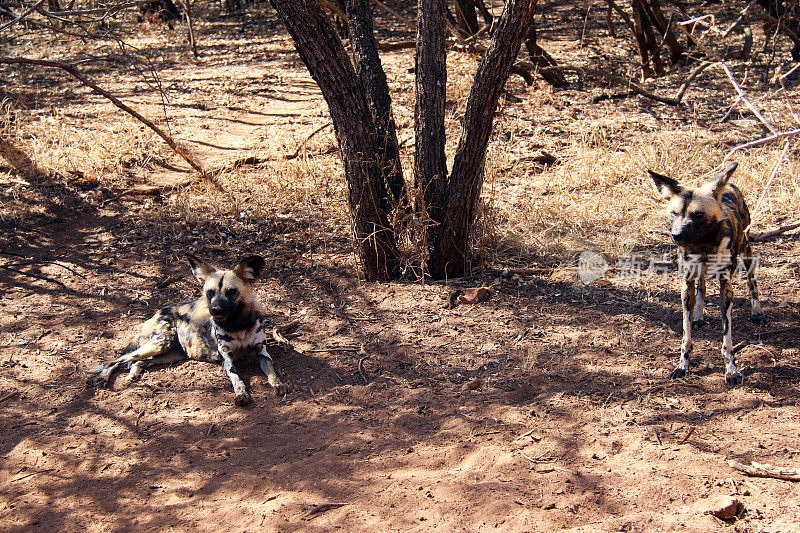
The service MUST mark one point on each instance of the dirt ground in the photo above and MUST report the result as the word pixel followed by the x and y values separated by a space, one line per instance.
pixel 546 407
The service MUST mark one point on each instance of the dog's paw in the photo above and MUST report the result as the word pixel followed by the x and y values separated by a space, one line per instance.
pixel 758 318
pixel 697 324
pixel 97 382
pixel 242 399
pixel 281 389
pixel 678 373
pixel 734 379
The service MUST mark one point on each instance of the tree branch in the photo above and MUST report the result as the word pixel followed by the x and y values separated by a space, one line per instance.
pixel 77 74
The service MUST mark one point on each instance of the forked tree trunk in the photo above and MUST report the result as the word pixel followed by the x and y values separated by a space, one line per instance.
pixel 430 161
pixel 324 55
pixel 451 239
pixel 355 100
pixel 373 81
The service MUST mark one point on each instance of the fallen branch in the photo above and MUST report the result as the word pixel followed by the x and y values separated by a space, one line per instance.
pixel 332 349
pixel 765 470
pixel 32 275
pixel 149 191
pixel 400 45
pixel 321 508
pixel 743 15
pixel 308 138
pixel 689 434
pixel 729 74
pixel 759 142
pixel 9 396
pixel 77 74
pixel 674 101
pixel 44 262
pixel 289 326
pixel 761 237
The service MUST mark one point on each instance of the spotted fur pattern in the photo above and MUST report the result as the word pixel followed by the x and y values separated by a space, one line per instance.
pixel 223 325
pixel 709 225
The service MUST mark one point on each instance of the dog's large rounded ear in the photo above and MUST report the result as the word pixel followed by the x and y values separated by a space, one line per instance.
pixel 250 268
pixel 720 181
pixel 200 268
pixel 666 186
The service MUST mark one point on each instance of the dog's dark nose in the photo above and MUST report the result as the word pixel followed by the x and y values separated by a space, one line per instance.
pixel 216 311
pixel 679 236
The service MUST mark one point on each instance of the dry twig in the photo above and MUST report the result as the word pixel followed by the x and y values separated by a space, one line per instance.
pixel 765 470
pixel 308 138
pixel 364 355
pixel 321 508
pixel 9 396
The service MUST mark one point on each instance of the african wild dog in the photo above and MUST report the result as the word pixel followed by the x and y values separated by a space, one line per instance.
pixel 709 225
pixel 224 323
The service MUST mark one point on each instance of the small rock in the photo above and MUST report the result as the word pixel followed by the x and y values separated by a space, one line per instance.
pixel 472 385
pixel 723 507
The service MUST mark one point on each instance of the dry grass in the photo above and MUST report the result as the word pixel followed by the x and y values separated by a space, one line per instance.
pixel 596 196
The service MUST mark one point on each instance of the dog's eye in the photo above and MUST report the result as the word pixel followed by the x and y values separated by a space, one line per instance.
pixel 697 215
pixel 210 293
pixel 232 292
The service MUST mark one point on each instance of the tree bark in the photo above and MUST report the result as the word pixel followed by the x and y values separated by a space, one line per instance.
pixel 373 81
pixel 430 161
pixel 326 59
pixel 449 255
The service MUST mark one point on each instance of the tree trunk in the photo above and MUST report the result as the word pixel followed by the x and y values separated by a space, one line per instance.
pixel 676 54
pixel 466 16
pixel 430 160
pixel 373 81
pixel 542 59
pixel 646 39
pixel 449 255
pixel 324 55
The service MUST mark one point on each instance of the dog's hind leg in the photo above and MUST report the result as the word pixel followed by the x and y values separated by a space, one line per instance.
pixel 688 295
pixel 699 304
pixel 151 348
pixel 732 374
pixel 139 366
pixel 750 265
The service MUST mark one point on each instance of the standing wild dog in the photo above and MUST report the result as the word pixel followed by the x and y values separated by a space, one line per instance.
pixel 709 225
pixel 223 324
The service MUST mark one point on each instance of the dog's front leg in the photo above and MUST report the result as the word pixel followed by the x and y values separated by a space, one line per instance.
pixel 699 304
pixel 268 368
pixel 265 361
pixel 241 395
pixel 732 374
pixel 688 295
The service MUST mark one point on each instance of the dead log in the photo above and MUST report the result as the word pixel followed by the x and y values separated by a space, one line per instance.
pixel 765 470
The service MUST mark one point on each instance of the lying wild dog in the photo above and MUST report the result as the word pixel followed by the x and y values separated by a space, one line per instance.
pixel 709 225
pixel 224 323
